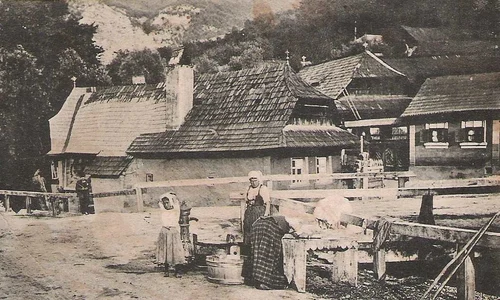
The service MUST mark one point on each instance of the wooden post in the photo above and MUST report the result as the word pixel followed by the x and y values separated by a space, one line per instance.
pixel 28 204
pixel 466 280
pixel 140 199
pixel 243 205
pixel 379 266
pixel 345 266
pixel 7 203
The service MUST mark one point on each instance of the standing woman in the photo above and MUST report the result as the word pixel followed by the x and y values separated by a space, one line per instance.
pixel 258 203
pixel 169 250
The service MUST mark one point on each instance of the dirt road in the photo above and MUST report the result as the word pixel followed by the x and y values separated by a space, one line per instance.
pixel 104 256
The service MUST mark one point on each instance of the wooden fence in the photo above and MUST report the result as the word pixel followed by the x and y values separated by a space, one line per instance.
pixel 459 236
pixel 53 198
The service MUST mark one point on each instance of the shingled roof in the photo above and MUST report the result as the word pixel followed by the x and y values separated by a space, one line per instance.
pixel 332 77
pixel 238 111
pixel 108 166
pixel 420 68
pixel 107 120
pixel 372 106
pixel 452 94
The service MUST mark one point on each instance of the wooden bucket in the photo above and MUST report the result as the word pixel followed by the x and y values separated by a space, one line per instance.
pixel 225 270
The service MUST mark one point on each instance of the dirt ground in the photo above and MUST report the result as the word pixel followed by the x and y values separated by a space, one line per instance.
pixel 111 255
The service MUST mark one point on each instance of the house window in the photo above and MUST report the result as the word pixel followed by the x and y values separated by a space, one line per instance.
pixel 321 167
pixel 149 177
pixel 53 169
pixel 375 133
pixel 436 135
pixel 473 134
pixel 399 133
pixel 298 167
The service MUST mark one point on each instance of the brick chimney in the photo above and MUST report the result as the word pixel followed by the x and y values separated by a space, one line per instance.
pixel 179 86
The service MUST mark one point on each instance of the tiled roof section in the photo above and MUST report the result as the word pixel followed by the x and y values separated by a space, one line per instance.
pixel 420 68
pixel 332 77
pixel 423 34
pixel 448 94
pixel 235 111
pixel 111 118
pixel 373 106
pixel 149 140
pixel 108 166
pixel 297 136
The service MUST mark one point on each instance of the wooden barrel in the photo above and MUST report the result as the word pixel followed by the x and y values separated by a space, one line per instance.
pixel 225 270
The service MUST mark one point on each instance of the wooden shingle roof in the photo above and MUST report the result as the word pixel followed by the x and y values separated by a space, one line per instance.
pixel 235 111
pixel 420 68
pixel 373 106
pixel 108 166
pixel 451 94
pixel 332 77
pixel 107 120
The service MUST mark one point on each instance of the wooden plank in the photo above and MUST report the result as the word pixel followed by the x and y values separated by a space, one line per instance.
pixel 466 280
pixel 345 267
pixel 446 234
pixel 301 206
pixel 275 177
pixel 28 204
pixel 349 193
pixel 7 203
pixel 140 199
pixel 114 193
pixel 379 265
pixel 36 194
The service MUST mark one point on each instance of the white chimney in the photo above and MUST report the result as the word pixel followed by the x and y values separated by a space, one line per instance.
pixel 139 79
pixel 179 87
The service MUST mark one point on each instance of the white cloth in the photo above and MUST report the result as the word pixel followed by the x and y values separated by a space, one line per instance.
pixel 170 217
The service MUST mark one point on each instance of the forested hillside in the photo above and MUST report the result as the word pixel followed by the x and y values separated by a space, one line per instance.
pixel 324 29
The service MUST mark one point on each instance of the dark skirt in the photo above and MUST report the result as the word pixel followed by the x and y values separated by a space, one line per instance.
pixel 267 253
pixel 252 213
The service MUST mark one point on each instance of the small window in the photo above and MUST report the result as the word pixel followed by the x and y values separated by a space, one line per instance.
pixel 297 167
pixel 375 133
pixel 53 169
pixel 149 177
pixel 321 166
pixel 436 135
pixel 399 133
pixel 473 134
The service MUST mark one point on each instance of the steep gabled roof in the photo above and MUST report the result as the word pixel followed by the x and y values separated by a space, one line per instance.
pixel 452 94
pixel 108 119
pixel 236 111
pixel 332 77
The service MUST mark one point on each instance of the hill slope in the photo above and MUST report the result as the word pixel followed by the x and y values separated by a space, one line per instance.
pixel 134 25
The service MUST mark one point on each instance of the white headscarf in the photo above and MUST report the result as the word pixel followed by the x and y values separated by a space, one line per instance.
pixel 255 174
pixel 173 199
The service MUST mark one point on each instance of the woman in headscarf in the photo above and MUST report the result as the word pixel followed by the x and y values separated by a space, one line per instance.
pixel 169 250
pixel 257 205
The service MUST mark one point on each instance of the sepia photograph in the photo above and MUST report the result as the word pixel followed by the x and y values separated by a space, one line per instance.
pixel 250 149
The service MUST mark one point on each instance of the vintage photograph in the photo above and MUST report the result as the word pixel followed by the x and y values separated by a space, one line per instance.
pixel 250 149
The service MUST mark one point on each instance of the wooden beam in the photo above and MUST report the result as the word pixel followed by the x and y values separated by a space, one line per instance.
pixel 36 194
pixel 114 193
pixel 383 192
pixel 466 280
pixel 7 203
pixel 276 177
pixel 140 199
pixel 445 234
